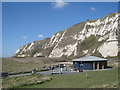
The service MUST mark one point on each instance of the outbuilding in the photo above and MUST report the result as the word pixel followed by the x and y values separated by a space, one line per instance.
pixel 89 63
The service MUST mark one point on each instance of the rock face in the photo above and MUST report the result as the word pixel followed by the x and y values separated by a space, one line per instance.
pixel 97 37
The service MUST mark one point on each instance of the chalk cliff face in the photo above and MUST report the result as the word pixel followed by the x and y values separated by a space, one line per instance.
pixel 97 37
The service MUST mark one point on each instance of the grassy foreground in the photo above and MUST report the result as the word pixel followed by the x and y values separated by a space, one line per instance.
pixel 97 79
pixel 20 81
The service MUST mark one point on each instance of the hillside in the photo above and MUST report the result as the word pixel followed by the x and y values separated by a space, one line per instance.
pixel 96 37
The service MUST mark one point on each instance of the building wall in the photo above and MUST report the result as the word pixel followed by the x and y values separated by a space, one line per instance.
pixel 87 66
pixel 83 65
pixel 90 65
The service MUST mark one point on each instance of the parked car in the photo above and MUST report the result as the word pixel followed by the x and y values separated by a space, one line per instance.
pixel 4 74
pixel 56 72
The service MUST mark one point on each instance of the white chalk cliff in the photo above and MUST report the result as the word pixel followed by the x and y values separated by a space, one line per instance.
pixel 97 37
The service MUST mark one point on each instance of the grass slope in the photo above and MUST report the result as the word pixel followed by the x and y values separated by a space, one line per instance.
pixel 12 66
pixel 97 79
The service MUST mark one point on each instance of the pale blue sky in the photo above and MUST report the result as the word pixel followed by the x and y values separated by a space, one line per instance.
pixel 27 22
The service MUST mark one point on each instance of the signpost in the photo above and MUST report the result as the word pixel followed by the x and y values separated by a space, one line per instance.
pixel 86 73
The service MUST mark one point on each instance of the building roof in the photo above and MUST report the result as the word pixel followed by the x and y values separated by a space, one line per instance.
pixel 89 58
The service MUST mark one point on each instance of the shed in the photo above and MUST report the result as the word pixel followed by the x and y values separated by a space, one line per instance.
pixel 89 63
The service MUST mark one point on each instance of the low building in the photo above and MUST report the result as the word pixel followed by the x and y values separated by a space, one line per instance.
pixel 89 63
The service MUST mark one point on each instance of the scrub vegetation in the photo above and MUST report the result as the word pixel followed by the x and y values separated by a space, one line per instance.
pixel 13 66
pixel 89 42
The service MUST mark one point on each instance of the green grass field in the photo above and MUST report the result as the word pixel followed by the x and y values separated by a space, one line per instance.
pixel 96 79
pixel 24 80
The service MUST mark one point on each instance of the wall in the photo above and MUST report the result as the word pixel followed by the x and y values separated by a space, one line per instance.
pixel 83 65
